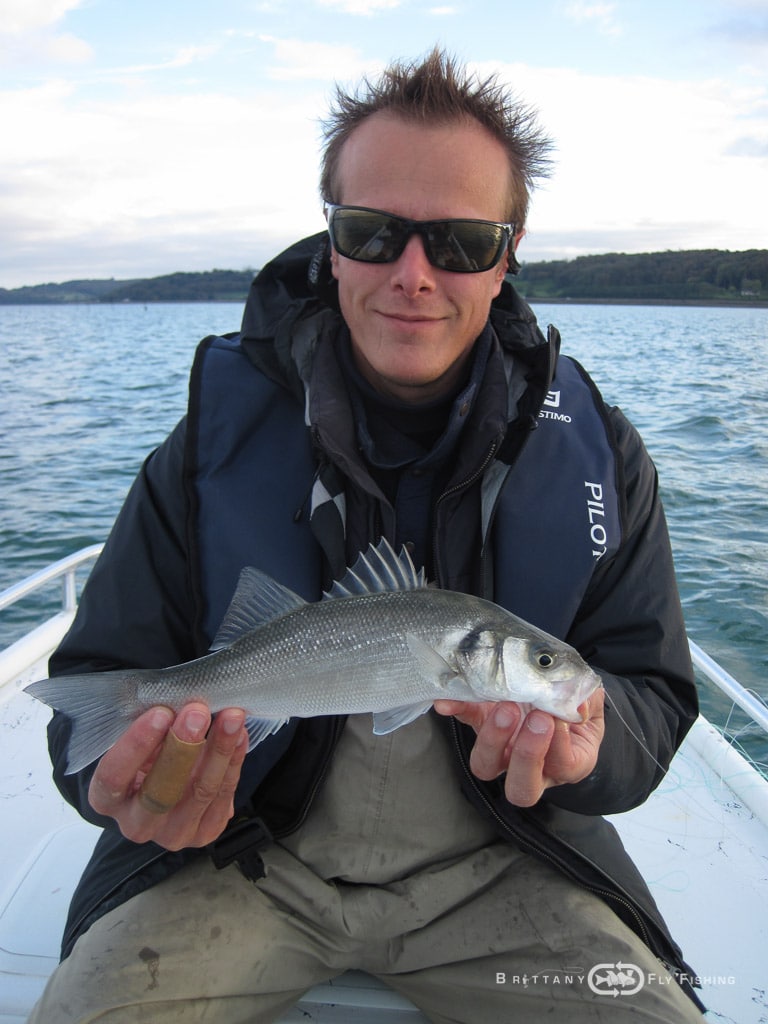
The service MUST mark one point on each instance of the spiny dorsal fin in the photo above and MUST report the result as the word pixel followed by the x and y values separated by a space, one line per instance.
pixel 379 570
pixel 258 599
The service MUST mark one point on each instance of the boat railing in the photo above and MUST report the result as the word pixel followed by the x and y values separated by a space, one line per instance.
pixel 65 569
pixel 732 688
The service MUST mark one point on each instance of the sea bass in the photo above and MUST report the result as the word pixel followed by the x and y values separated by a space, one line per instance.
pixel 380 641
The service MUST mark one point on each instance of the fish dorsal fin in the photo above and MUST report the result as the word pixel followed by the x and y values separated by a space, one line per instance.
pixel 379 570
pixel 257 599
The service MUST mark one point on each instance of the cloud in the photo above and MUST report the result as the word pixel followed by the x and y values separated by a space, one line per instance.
pixel 360 7
pixel 749 146
pixel 299 60
pixel 646 158
pixel 28 37
pixel 182 58
pixel 20 16
pixel 747 28
pixel 602 14
pixel 159 181
pixel 172 176
pixel 743 35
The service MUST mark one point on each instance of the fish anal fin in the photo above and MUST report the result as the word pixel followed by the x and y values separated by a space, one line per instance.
pixel 387 721
pixel 257 599
pixel 259 729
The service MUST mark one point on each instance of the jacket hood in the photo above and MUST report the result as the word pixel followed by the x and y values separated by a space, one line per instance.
pixel 293 302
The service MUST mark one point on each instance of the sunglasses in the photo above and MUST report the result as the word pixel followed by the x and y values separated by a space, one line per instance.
pixel 373 236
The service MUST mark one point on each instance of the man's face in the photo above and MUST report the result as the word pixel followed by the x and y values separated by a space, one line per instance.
pixel 412 325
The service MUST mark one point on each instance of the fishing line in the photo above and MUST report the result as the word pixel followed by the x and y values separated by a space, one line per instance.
pixel 630 730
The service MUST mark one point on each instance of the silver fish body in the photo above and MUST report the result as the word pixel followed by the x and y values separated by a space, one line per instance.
pixel 381 642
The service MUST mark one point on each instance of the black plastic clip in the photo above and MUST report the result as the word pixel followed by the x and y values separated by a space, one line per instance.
pixel 240 844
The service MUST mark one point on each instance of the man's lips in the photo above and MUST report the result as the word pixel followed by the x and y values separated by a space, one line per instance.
pixel 411 318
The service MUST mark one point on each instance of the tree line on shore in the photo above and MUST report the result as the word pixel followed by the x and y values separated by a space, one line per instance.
pixel 705 275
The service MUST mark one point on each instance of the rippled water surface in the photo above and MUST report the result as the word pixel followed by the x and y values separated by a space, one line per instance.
pixel 87 391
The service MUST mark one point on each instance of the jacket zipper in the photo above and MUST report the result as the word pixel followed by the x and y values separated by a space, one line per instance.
pixel 486 586
pixel 455 489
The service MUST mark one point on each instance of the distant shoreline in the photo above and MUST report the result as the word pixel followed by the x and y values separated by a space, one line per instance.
pixel 708 277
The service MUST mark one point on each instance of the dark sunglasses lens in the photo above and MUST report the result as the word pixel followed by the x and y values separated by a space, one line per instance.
pixel 465 246
pixel 367 236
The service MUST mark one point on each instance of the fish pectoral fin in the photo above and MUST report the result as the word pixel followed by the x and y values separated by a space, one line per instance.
pixel 388 721
pixel 259 728
pixel 257 599
pixel 431 664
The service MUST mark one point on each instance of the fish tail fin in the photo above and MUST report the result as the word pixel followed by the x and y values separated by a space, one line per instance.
pixel 100 705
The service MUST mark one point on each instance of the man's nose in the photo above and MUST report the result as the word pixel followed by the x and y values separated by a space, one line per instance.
pixel 412 271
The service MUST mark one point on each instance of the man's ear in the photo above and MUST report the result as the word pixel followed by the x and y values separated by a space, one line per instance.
pixel 513 266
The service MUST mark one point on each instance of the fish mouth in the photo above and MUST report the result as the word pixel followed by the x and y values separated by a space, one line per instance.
pixel 597 685
pixel 567 709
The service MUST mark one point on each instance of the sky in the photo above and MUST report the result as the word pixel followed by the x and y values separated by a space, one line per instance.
pixel 141 138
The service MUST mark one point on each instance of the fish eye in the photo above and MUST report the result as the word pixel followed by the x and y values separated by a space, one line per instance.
pixel 544 657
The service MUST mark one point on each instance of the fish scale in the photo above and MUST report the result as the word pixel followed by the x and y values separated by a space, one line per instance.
pixel 344 659
pixel 380 642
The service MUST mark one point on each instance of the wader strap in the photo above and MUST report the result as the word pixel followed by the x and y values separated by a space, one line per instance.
pixel 240 844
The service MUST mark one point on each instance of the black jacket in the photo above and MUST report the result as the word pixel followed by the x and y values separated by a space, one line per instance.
pixel 146 604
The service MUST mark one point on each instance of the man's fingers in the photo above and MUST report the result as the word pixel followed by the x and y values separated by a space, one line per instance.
pixel 192 723
pixel 534 751
pixel 207 804
pixel 221 809
pixel 167 779
pixel 490 752
pixel 200 761
pixel 221 745
pixel 525 780
pixel 115 777
pixel 467 712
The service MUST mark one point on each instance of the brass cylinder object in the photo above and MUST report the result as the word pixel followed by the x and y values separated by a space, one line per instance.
pixel 167 779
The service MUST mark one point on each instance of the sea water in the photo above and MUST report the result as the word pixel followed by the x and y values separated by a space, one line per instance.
pixel 86 392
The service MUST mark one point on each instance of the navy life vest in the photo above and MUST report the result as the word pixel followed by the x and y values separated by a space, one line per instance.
pixel 555 512
pixel 559 513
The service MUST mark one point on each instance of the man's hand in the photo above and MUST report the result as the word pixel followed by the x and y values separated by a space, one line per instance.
pixel 536 751
pixel 207 804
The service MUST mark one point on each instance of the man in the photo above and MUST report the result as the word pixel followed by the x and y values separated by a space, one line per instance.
pixel 387 382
